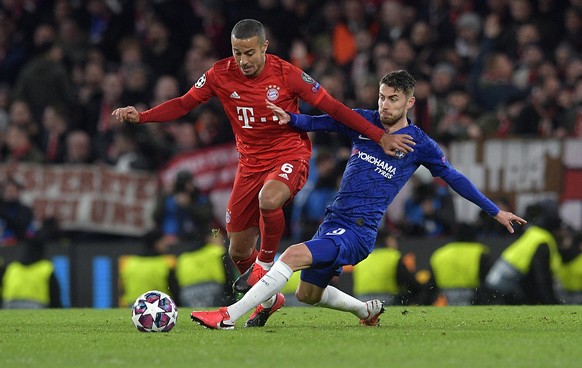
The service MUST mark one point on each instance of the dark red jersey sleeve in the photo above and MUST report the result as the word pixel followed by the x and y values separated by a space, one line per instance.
pixel 349 117
pixel 169 110
pixel 312 92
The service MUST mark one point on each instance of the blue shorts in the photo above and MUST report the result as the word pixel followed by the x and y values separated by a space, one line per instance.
pixel 333 246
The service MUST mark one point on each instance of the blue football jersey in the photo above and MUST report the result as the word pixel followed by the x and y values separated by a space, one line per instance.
pixel 372 178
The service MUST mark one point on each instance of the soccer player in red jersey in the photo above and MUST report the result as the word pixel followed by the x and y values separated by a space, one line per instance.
pixel 274 159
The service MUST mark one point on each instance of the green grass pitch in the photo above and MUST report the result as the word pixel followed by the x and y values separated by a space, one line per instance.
pixel 300 337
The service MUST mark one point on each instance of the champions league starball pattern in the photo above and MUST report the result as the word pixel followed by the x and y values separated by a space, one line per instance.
pixel 154 311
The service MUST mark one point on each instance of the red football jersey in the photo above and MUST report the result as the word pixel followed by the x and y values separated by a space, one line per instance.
pixel 259 137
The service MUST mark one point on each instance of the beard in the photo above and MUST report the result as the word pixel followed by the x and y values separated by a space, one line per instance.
pixel 390 120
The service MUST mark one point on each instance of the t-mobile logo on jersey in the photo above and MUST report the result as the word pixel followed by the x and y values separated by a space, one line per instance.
pixel 247 116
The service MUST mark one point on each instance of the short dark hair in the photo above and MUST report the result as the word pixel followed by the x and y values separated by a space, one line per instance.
pixel 400 80
pixel 248 28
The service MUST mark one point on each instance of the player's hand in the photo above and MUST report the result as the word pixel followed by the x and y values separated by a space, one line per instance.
pixel 128 114
pixel 507 218
pixel 283 117
pixel 397 144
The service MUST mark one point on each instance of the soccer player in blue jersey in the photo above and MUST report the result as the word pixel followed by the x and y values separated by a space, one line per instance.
pixel 370 182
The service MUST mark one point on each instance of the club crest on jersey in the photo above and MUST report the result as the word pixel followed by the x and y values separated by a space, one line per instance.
pixel 273 93
pixel 307 78
pixel 200 81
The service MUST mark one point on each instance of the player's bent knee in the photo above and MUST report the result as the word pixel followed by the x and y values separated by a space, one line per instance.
pixel 238 254
pixel 297 257
pixel 307 298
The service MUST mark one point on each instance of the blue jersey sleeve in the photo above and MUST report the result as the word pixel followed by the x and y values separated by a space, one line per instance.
pixel 308 123
pixel 435 160
pixel 465 188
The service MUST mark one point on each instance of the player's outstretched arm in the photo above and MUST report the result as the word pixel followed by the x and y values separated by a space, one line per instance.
pixel 506 219
pixel 389 142
pixel 128 113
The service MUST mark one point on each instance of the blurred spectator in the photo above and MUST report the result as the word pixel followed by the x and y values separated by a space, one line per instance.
pixel 30 282
pixel 422 40
pixel 459 268
pixel 501 121
pixel 12 50
pixel 384 275
pixel 198 59
pixel 16 218
pixel 137 85
pixel 344 32
pixel 468 30
pixel 550 21
pixel 185 214
pixel 99 122
pixel 4 113
pixel 367 92
pixel 459 119
pixel 45 81
pixel 89 82
pixel 361 65
pixel 71 38
pixel 526 72
pixel 423 112
pixel 20 146
pixel 162 54
pixel 491 75
pixel 520 12
pixel 404 56
pixel 55 126
pixel 526 270
pixel 21 115
pixel 158 140
pixel 212 126
pixel 527 34
pixel 542 116
pixel 442 81
pixel 392 21
pixel 573 71
pixel 573 116
pixel 152 270
pixel 429 211
pixel 573 27
pixel 571 270
pixel 203 274
pixel 184 136
pixel 104 21
pixel 78 149
pixel 125 153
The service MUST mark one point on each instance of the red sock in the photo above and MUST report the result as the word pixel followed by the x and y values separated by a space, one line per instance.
pixel 272 225
pixel 245 264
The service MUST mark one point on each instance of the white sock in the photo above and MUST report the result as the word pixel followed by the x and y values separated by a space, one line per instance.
pixel 335 299
pixel 266 288
pixel 266 265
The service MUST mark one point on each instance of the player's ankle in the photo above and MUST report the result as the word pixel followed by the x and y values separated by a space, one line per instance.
pixel 266 265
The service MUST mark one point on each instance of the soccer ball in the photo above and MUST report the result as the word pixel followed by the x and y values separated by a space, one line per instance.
pixel 154 311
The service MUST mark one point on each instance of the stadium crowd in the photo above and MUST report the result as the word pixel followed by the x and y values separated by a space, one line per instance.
pixel 492 68
pixel 488 68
